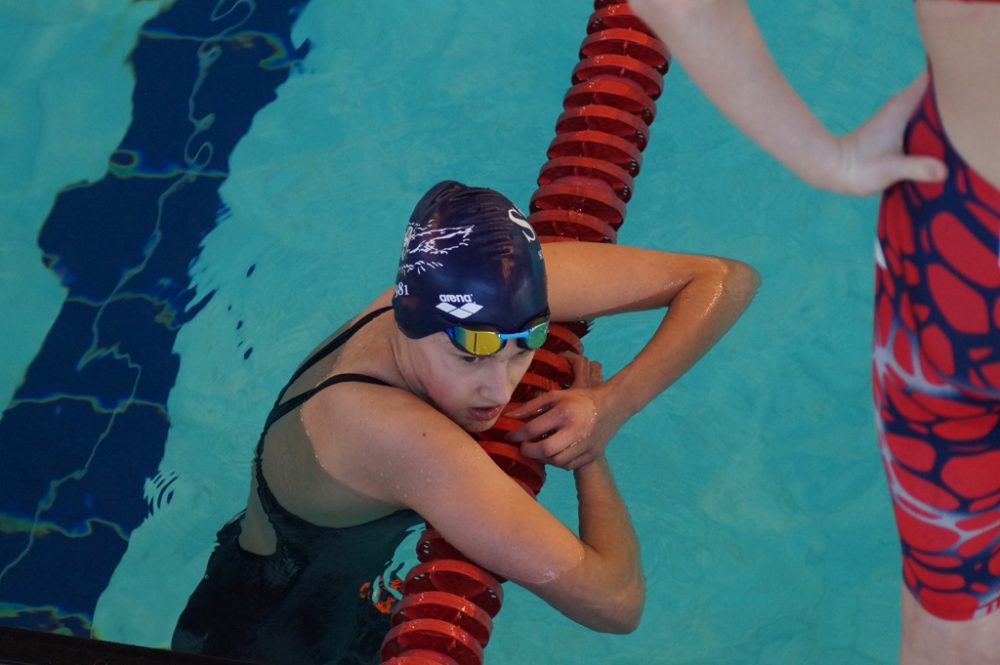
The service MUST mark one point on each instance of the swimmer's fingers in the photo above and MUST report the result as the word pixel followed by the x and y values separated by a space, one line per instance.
pixel 586 373
pixel 574 456
pixel 558 449
pixel 596 373
pixel 581 366
pixel 564 427
pixel 531 409
pixel 568 429
pixel 541 421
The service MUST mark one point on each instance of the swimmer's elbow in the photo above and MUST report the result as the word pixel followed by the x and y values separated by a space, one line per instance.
pixel 739 280
pixel 628 620
pixel 622 615
pixel 632 605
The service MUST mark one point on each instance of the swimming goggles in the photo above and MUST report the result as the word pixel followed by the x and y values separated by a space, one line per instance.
pixel 485 340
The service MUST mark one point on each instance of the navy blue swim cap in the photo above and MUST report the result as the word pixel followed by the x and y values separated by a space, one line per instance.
pixel 469 258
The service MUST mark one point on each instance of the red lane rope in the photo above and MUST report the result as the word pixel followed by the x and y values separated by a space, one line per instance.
pixel 446 614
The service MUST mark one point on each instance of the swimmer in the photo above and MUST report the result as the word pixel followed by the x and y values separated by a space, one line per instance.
pixel 935 150
pixel 371 435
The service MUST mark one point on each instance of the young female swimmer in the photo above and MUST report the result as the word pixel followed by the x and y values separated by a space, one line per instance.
pixel 371 435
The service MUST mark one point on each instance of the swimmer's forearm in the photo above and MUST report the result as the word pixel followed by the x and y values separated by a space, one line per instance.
pixel 718 44
pixel 612 549
pixel 698 316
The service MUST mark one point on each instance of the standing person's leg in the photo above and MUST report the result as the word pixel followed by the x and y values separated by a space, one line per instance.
pixel 927 640
pixel 936 380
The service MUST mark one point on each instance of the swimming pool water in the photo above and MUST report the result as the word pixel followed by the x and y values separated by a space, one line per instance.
pixel 754 482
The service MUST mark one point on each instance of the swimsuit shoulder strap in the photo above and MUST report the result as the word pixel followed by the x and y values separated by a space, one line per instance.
pixel 295 402
pixel 332 346
pixel 281 408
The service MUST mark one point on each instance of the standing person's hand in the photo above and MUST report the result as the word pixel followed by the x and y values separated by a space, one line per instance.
pixel 872 157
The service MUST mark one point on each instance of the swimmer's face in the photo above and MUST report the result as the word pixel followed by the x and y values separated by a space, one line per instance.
pixel 471 390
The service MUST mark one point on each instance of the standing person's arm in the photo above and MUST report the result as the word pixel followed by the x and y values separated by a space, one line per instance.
pixel 718 44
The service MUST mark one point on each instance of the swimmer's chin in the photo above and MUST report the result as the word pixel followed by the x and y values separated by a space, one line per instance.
pixel 475 426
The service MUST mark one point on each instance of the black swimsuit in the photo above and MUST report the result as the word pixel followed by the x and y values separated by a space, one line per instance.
pixel 311 601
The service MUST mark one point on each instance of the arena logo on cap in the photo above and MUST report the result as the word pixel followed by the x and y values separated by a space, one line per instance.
pixel 467 308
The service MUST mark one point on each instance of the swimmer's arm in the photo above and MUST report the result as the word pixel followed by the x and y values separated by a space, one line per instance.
pixel 703 295
pixel 419 459
pixel 719 45
pixel 609 542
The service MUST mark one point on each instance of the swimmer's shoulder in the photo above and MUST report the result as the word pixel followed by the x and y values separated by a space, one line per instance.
pixel 364 436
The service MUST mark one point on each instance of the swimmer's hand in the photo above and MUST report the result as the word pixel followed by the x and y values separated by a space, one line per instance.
pixel 568 428
pixel 871 157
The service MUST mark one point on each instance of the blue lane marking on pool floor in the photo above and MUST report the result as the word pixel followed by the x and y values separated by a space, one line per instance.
pixel 88 424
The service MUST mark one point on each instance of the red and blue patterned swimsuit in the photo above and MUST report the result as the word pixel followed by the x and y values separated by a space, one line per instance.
pixel 936 371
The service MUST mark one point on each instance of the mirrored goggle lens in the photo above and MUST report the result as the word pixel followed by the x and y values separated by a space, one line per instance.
pixel 536 336
pixel 487 342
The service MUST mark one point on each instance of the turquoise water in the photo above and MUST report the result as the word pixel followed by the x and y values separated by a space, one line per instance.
pixel 754 482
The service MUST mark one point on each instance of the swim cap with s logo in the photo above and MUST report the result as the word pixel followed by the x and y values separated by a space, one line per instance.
pixel 469 258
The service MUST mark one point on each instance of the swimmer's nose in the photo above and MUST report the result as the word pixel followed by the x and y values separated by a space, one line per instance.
pixel 497 386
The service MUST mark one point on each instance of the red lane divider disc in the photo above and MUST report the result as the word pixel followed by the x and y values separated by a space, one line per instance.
pixel 552 366
pixel 604 3
pixel 573 224
pixel 601 145
pixel 433 635
pixel 578 328
pixel 544 239
pixel 432 546
pixel 446 607
pixel 577 194
pixel 457 577
pixel 623 41
pixel 509 458
pixel 618 179
pixel 501 428
pixel 512 405
pixel 587 195
pixel 614 65
pixel 620 93
pixel 420 657
pixel 562 339
pixel 532 385
pixel 605 119
pixel 527 488
pixel 620 15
